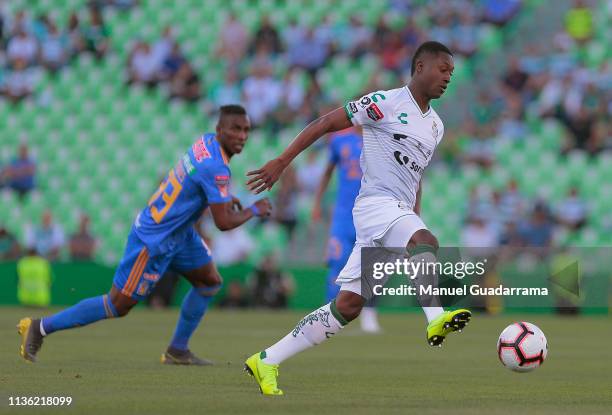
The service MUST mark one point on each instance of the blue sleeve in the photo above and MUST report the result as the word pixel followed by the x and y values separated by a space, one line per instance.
pixel 214 179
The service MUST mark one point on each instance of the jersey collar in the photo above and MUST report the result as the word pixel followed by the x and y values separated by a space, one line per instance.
pixel 423 114
pixel 222 151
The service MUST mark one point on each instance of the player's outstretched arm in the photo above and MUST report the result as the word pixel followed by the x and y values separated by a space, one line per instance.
pixel 265 177
pixel 226 217
pixel 323 184
pixel 417 203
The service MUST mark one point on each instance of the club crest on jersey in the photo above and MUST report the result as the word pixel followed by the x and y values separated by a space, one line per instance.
pixel 374 113
pixel 200 152
pixel 434 130
pixel 222 182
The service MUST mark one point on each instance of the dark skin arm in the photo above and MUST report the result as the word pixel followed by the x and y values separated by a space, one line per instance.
pixel 417 203
pixel 323 184
pixel 226 217
pixel 265 177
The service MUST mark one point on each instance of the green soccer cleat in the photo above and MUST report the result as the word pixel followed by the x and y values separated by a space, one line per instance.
pixel 445 323
pixel 183 357
pixel 31 338
pixel 265 375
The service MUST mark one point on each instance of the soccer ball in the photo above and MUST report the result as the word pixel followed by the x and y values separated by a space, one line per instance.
pixel 522 347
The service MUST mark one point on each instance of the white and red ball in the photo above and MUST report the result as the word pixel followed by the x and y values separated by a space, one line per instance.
pixel 522 347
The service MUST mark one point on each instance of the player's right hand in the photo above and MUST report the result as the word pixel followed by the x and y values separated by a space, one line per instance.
pixel 264 178
pixel 316 214
pixel 264 207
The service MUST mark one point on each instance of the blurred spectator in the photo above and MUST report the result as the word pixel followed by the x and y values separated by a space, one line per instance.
pixel 359 37
pixel 515 77
pixel 479 238
pixel 21 171
pixel 499 12
pixel 479 150
pixel 9 246
pixel 163 47
pixel 293 34
pixel 394 55
pixel 22 47
pixel 47 240
pixel 186 84
pixel 143 66
pixel 286 201
pixel 227 92
pixel 511 124
pixel 53 49
pixel 309 174
pixel 75 35
pixel 233 39
pixel 270 287
pixel 34 280
pixel 308 52
pixel 267 36
pixel 21 22
pixel 234 297
pixel 82 244
pixel 465 35
pixel 172 63
pixel 326 34
pixel 572 211
pixel 232 247
pixel 261 93
pixel 513 202
pixel 510 237
pixel 382 31
pixel 19 82
pixel 538 230
pixel 579 22
pixel 96 34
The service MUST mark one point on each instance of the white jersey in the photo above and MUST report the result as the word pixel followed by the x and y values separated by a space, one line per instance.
pixel 398 142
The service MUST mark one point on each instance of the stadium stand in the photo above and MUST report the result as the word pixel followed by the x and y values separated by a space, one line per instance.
pixel 101 146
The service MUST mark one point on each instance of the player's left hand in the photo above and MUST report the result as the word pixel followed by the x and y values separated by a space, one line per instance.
pixel 264 178
pixel 236 205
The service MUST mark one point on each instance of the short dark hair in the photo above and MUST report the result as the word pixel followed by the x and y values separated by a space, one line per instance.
pixel 428 47
pixel 233 109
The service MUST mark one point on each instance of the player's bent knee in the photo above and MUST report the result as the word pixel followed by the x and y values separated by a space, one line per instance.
pixel 423 237
pixel 208 291
pixel 349 304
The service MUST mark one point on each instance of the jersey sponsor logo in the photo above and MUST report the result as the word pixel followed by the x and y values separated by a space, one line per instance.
pixel 365 101
pixel 402 117
pixel 404 160
pixel 353 107
pixel 150 277
pixel 434 130
pixel 188 165
pixel 374 113
pixel 200 151
pixel 180 172
pixel 222 182
pixel 399 137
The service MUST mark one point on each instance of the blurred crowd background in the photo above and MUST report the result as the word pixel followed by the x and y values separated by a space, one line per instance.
pixel 99 98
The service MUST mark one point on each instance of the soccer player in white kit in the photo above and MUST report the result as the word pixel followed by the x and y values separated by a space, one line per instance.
pixel 400 134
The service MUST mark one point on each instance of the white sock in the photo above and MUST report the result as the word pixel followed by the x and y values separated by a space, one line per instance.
pixel 432 312
pixel 42 329
pixel 313 329
pixel 431 304
pixel 369 320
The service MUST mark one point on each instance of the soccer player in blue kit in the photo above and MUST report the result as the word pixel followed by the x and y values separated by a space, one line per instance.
pixel 344 152
pixel 163 236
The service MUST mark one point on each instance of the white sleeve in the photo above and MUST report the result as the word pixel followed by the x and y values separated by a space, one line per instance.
pixel 371 109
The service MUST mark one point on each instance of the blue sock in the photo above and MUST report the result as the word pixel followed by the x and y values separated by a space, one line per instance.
pixel 86 312
pixel 192 310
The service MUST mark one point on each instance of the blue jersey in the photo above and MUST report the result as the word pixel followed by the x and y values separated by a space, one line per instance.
pixel 201 177
pixel 345 151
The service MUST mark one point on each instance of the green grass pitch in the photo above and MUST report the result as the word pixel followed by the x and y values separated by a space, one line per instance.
pixel 113 368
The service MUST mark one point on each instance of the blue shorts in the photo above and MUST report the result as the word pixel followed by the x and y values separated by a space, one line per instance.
pixel 137 272
pixel 339 247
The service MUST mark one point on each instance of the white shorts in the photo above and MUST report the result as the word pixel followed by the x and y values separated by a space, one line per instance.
pixel 379 221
